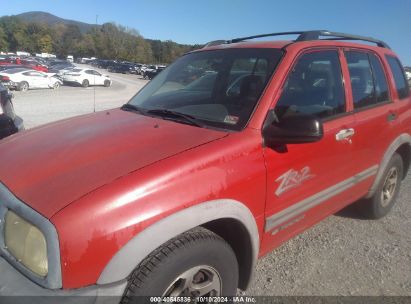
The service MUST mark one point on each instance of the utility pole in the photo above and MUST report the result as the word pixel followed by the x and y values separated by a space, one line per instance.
pixel 94 102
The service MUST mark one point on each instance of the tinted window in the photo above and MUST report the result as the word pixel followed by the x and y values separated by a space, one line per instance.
pixel 362 81
pixel 380 81
pixel 399 77
pixel 314 87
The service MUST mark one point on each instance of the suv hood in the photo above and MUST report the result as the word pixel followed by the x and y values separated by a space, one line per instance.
pixel 51 166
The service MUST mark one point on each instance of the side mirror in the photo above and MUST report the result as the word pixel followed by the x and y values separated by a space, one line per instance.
pixel 296 128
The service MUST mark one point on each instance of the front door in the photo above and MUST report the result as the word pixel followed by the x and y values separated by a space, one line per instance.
pixel 309 181
pixel 40 80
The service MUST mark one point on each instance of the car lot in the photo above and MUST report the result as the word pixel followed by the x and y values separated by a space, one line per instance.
pixel 342 255
pixel 38 107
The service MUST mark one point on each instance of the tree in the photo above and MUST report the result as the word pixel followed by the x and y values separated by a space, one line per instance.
pixel 4 45
pixel 45 44
pixel 108 41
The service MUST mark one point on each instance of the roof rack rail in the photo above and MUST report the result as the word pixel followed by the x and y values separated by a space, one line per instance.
pixel 316 35
pixel 216 42
pixel 306 36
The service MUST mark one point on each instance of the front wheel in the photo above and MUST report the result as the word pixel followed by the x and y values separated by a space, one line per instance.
pixel 85 83
pixel 196 263
pixel 23 86
pixel 56 85
pixel 107 83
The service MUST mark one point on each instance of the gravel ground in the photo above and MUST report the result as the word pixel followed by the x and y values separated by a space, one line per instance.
pixel 342 255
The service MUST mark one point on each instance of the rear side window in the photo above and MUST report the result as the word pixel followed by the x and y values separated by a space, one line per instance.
pixel 368 80
pixel 380 81
pixel 314 86
pixel 399 77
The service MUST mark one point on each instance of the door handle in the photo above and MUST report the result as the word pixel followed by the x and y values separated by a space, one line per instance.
pixel 345 134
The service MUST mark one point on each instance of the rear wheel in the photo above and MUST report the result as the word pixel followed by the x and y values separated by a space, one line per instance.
pixel 85 83
pixel 23 86
pixel 196 263
pixel 387 191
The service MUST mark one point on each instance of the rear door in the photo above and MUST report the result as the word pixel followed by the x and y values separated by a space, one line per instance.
pixel 306 182
pixel 400 91
pixel 374 110
pixel 99 79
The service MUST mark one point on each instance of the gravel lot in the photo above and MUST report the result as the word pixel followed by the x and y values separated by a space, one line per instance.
pixel 342 255
pixel 38 107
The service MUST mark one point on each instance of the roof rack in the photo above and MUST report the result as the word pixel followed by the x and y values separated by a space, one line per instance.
pixel 307 36
pixel 216 42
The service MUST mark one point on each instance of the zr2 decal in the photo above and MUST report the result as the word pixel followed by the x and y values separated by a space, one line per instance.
pixel 292 179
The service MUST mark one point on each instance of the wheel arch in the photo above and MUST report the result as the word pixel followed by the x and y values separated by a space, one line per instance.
pixel 402 146
pixel 237 236
pixel 214 215
pixel 405 152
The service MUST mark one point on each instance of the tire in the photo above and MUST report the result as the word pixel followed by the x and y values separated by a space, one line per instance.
pixel 85 83
pixel 107 83
pixel 23 86
pixel 197 254
pixel 387 191
pixel 56 85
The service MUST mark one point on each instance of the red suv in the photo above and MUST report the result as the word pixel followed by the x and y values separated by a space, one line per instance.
pixel 229 152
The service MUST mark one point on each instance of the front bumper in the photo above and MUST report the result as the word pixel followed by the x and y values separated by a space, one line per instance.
pixel 10 85
pixel 16 288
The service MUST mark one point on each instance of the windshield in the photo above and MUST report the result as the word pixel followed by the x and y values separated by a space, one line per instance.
pixel 220 88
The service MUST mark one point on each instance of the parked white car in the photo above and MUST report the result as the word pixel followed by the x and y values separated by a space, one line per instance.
pixel 86 77
pixel 23 79
pixel 408 74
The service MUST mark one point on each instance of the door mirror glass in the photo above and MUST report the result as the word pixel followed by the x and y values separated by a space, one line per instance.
pixel 294 128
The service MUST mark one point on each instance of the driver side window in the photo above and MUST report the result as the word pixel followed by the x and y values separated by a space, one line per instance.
pixel 314 86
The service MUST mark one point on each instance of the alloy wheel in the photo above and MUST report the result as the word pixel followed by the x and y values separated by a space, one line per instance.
pixel 390 185
pixel 198 281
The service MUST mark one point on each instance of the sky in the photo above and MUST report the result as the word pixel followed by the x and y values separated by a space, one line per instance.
pixel 192 21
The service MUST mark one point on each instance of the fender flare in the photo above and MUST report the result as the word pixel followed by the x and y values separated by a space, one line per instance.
pixel 399 141
pixel 138 248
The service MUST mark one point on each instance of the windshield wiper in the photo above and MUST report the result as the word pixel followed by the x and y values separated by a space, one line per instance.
pixel 133 108
pixel 177 116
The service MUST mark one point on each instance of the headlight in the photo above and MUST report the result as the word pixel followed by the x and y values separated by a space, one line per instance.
pixel 26 243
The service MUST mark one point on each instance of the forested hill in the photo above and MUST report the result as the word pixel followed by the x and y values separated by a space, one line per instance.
pixel 38 32
pixel 49 19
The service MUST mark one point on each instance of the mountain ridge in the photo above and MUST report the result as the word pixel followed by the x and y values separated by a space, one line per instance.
pixel 51 20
